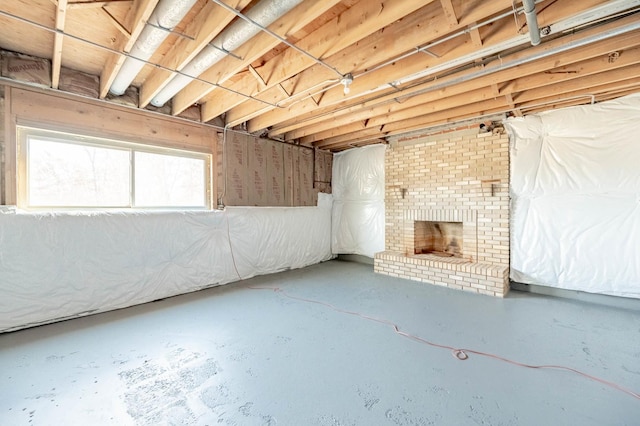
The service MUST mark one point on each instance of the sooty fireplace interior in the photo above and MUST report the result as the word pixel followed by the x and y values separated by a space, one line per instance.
pixel 438 238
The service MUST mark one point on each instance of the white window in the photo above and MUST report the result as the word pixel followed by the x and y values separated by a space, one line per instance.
pixel 61 170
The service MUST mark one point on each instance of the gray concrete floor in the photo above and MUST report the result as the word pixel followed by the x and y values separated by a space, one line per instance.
pixel 236 356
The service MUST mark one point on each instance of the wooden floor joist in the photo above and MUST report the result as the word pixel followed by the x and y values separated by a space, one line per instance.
pixel 409 63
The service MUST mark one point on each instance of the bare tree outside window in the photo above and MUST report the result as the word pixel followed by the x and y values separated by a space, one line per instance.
pixel 72 171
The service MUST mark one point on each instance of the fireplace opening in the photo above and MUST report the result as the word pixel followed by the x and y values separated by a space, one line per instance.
pixel 438 238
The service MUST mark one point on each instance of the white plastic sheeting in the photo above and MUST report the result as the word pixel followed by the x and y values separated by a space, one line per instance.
pixel 575 188
pixel 61 265
pixel 358 201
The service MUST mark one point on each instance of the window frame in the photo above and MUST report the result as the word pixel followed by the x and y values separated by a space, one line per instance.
pixel 25 132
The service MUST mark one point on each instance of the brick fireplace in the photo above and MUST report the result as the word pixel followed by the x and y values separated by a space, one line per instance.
pixel 447 211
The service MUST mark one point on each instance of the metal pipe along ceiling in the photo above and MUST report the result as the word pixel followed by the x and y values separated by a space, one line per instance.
pixel 164 18
pixel 264 14
pixel 532 21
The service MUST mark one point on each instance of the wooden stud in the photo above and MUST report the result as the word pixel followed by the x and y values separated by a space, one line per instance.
pixel 58 40
pixel 258 77
pixel 116 23
pixel 517 112
pixel 476 39
pixel 10 153
pixel 449 12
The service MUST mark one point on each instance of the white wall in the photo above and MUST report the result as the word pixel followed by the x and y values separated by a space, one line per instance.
pixel 575 188
pixel 358 201
pixel 62 265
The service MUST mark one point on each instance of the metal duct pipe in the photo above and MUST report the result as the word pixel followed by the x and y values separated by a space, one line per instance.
pixel 532 21
pixel 503 65
pixel 264 14
pixel 167 14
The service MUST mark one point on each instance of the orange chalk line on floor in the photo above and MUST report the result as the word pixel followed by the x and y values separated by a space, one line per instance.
pixel 458 353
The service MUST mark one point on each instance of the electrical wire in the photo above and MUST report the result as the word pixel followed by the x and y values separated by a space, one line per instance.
pixel 233 258
pixel 461 354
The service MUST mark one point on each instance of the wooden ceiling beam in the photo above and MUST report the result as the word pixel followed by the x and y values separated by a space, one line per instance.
pixel 498 105
pixel 582 95
pixel 139 14
pixel 391 42
pixel 413 107
pixel 58 41
pixel 410 65
pixel 354 137
pixel 354 24
pixel 364 141
pixel 472 92
pixel 591 51
pixel 262 43
pixel 205 26
pixel 583 100
pixel 579 85
pixel 492 106
pixel 589 66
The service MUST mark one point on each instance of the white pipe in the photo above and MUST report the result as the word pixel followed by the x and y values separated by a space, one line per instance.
pixel 585 17
pixel 162 21
pixel 234 36
pixel 532 21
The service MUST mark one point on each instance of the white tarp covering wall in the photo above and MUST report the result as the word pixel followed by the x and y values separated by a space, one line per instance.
pixel 61 265
pixel 358 201
pixel 575 188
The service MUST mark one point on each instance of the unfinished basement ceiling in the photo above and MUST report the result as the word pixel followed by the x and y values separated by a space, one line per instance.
pixel 408 65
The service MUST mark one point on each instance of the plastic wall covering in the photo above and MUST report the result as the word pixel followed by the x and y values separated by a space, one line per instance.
pixel 575 188
pixel 358 201
pixel 62 265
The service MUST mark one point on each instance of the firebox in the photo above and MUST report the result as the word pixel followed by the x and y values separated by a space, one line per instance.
pixel 438 238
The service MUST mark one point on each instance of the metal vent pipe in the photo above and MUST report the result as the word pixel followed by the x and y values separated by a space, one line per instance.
pixel 264 14
pixel 166 15
pixel 532 21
